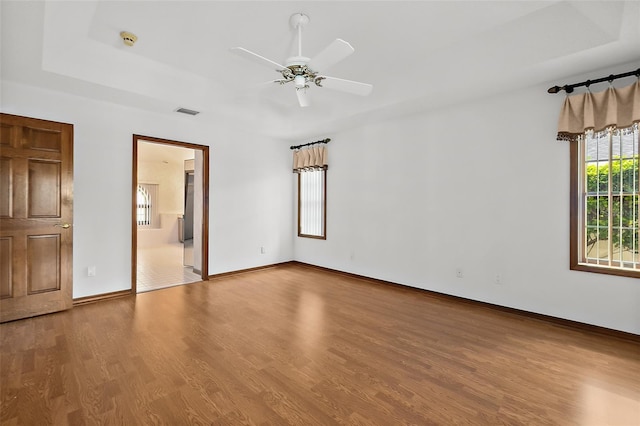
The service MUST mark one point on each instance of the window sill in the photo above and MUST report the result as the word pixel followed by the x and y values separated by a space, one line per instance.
pixel 315 237
pixel 584 267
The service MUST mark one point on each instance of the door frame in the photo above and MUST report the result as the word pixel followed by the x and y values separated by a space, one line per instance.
pixel 205 204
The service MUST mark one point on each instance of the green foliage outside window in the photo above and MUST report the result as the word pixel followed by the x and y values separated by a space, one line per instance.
pixel 624 203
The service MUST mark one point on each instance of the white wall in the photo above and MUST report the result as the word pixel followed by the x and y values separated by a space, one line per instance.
pixel 482 186
pixel 249 195
pixel 170 180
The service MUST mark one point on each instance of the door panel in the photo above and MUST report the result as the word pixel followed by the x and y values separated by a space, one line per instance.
pixel 42 139
pixel 44 188
pixel 43 263
pixel 5 135
pixel 6 193
pixel 36 178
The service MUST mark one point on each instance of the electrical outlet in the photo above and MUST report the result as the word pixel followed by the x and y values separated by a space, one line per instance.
pixel 459 273
pixel 91 271
pixel 499 279
pixel 262 250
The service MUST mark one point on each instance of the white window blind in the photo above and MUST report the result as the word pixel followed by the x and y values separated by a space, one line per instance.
pixel 311 203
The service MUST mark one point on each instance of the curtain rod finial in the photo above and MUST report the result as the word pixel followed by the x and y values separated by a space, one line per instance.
pixel 554 89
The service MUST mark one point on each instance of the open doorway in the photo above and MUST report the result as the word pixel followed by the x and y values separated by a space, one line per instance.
pixel 169 213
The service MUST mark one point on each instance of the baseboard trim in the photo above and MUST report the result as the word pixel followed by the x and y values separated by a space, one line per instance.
pixel 100 297
pixel 244 271
pixel 575 325
pixel 123 293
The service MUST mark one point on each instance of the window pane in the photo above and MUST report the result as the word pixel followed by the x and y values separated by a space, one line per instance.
pixel 616 205
pixel 602 246
pixel 628 226
pixel 591 148
pixel 146 212
pixel 597 211
pixel 629 143
pixel 602 206
pixel 616 145
pixel 623 243
pixel 592 178
pixel 616 167
pixel 597 243
pixel 143 206
pixel 603 177
pixel 630 175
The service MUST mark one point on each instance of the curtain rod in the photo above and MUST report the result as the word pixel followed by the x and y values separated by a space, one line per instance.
pixel 569 87
pixel 327 140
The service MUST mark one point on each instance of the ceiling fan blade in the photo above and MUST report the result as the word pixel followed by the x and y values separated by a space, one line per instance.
pixel 349 86
pixel 332 54
pixel 303 97
pixel 241 51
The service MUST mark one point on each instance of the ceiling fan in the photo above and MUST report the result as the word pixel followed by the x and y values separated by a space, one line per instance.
pixel 304 71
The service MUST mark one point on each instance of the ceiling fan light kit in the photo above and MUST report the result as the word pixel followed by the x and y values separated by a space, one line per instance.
pixel 302 71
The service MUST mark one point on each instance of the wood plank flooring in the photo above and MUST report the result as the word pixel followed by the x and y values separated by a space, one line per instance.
pixel 301 346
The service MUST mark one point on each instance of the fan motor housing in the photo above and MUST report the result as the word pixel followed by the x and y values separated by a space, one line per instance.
pixel 298 20
pixel 297 60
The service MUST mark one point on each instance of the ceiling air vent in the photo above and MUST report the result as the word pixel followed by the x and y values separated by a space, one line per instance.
pixel 187 111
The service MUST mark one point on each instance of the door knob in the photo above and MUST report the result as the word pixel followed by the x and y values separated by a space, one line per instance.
pixel 63 225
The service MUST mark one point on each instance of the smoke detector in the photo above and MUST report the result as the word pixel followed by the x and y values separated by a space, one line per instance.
pixel 128 38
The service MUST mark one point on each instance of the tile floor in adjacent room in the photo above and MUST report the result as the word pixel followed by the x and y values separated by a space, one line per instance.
pixel 162 266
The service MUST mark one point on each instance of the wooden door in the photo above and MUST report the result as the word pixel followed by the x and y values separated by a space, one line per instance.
pixel 36 213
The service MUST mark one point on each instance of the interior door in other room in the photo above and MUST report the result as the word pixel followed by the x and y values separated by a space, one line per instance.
pixel 36 213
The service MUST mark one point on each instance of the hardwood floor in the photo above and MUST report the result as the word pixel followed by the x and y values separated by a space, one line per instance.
pixel 297 345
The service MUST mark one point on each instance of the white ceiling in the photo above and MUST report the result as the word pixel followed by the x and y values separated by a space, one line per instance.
pixel 160 153
pixel 417 54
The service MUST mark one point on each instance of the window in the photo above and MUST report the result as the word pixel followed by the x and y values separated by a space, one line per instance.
pixel 147 198
pixel 604 210
pixel 312 203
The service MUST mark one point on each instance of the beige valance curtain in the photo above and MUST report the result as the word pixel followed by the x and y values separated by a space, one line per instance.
pixel 618 108
pixel 312 158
